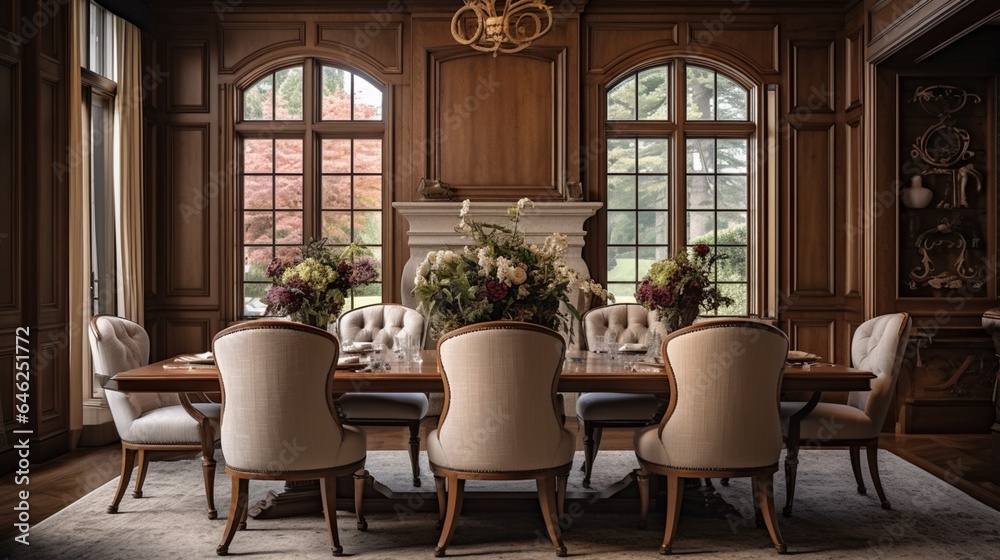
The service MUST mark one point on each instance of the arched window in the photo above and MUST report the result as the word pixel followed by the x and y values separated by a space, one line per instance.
pixel 679 172
pixel 310 165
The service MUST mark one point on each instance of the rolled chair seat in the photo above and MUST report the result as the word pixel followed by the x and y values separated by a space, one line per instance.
pixel 171 425
pixel 375 406
pixel 829 420
pixel 611 407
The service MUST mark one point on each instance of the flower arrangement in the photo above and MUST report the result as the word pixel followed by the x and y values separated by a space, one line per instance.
pixel 312 288
pixel 679 287
pixel 499 277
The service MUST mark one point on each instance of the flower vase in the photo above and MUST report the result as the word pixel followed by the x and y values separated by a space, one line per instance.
pixel 312 318
pixel 680 319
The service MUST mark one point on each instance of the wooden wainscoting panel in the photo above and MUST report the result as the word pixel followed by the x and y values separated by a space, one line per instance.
pixel 854 215
pixel 813 82
pixel 241 43
pixel 50 382
pixel 611 42
pixel 192 199
pixel 380 43
pixel 854 69
pixel 188 58
pixel 756 43
pixel 189 332
pixel 10 210
pixel 812 221
pixel 9 20
pixel 52 215
pixel 813 335
pixel 7 402
pixel 49 24
pixel 500 123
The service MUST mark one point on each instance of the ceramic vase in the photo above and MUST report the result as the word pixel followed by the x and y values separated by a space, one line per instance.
pixel 917 196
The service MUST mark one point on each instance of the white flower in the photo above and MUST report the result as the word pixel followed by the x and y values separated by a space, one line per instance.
pixel 503 270
pixel 465 209
pixel 423 269
pixel 524 202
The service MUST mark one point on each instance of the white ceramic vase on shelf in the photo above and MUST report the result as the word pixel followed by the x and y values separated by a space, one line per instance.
pixel 917 196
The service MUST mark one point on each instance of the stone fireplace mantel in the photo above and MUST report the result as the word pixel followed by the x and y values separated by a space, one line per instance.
pixel 432 228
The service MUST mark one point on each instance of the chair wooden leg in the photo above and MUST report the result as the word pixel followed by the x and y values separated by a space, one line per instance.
pixel 328 491
pixel 442 497
pixel 360 478
pixel 589 451
pixel 456 493
pixel 243 521
pixel 128 463
pixel 141 477
pixel 237 511
pixel 561 495
pixel 642 478
pixel 872 451
pixel 415 451
pixel 856 467
pixel 764 489
pixel 208 465
pixel 675 491
pixel 547 498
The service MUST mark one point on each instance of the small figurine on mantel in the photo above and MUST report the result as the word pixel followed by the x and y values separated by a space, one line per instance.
pixel 434 189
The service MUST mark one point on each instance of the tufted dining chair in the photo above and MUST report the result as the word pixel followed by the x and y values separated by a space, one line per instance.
pixel 149 422
pixel 381 323
pixel 596 411
pixel 722 420
pixel 878 346
pixel 511 431
pixel 278 417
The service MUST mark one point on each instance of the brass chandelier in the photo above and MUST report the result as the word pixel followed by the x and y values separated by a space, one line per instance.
pixel 512 30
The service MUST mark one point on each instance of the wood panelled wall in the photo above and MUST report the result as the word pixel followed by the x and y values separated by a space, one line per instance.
pixel 33 222
pixel 511 126
pixel 527 124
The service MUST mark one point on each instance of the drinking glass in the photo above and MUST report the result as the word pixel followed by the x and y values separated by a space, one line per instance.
pixel 378 356
pixel 611 340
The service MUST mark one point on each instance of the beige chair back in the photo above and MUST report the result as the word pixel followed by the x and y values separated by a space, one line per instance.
pixel 878 346
pixel 725 377
pixel 118 345
pixel 379 323
pixel 500 397
pixel 277 404
pixel 633 322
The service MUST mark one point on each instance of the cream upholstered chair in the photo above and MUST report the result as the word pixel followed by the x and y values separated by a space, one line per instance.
pixel 149 422
pixel 878 346
pixel 381 323
pixel 511 431
pixel 722 420
pixel 276 388
pixel 596 411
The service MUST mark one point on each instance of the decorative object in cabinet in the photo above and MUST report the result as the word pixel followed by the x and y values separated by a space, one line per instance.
pixel 943 212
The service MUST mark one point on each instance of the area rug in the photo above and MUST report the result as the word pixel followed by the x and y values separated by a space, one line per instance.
pixel 930 520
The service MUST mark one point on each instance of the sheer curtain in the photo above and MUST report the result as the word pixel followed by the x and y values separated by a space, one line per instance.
pixel 128 171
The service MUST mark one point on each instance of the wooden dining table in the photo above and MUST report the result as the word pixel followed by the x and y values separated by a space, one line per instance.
pixel 582 372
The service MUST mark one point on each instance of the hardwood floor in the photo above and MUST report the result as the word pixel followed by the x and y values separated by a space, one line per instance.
pixel 961 460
